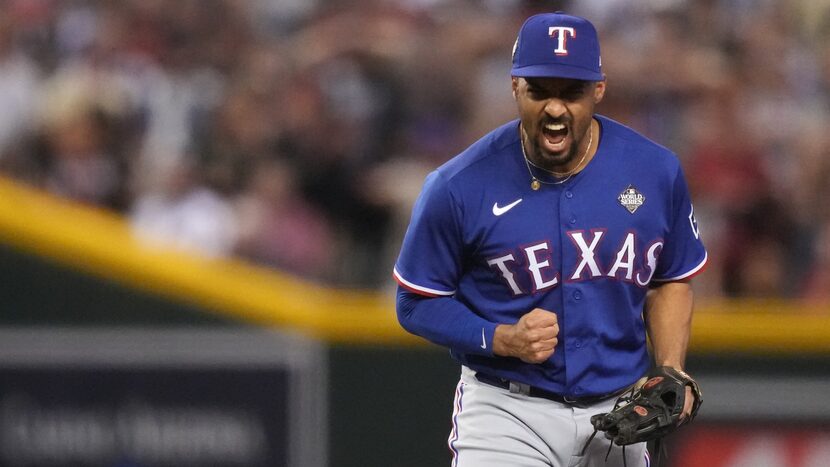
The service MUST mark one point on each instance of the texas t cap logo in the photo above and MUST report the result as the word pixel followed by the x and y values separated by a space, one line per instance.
pixel 556 45
pixel 560 33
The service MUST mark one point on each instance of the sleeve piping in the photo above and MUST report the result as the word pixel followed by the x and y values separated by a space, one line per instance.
pixel 420 290
pixel 689 274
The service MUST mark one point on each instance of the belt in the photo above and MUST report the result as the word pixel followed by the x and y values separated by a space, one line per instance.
pixel 532 391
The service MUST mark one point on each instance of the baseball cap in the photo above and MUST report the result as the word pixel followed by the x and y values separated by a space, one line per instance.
pixel 557 45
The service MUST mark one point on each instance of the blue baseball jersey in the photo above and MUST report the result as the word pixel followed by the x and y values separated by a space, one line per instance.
pixel 586 249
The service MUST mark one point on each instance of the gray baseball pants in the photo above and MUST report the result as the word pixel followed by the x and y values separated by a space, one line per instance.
pixel 493 427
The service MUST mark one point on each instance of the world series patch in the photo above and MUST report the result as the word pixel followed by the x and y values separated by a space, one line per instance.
pixel 631 199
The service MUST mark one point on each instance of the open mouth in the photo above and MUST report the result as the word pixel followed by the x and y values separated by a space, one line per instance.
pixel 555 136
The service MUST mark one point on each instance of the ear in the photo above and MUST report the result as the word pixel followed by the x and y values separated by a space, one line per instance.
pixel 514 83
pixel 599 91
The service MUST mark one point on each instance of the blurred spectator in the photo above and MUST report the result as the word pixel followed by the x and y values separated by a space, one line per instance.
pixel 296 134
pixel 756 245
pixel 186 214
pixel 81 150
pixel 817 284
pixel 19 83
pixel 279 228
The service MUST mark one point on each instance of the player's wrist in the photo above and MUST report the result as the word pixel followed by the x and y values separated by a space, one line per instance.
pixel 676 363
pixel 501 337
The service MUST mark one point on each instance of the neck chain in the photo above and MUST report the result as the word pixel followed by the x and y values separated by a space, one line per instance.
pixel 535 183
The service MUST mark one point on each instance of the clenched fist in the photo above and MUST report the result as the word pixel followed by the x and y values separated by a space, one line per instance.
pixel 532 339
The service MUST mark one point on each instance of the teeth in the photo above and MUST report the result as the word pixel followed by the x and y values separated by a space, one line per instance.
pixel 555 126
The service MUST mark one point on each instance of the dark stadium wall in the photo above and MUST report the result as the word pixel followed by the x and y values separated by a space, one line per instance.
pixel 35 291
pixel 390 406
pixel 385 402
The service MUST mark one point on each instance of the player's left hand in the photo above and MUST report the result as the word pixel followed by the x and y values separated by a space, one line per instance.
pixel 653 410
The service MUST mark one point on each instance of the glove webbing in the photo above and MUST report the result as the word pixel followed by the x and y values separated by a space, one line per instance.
pixel 659 447
pixel 635 393
pixel 622 400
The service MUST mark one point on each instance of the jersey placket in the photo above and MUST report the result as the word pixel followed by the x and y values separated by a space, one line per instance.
pixel 571 294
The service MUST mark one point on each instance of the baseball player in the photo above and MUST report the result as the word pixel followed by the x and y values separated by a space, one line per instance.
pixel 543 256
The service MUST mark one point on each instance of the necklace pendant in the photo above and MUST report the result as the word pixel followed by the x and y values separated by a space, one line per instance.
pixel 535 185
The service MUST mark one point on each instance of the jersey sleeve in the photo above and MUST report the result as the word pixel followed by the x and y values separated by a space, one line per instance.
pixel 683 253
pixel 445 321
pixel 429 262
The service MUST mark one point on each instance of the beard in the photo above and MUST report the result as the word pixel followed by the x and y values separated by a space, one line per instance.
pixel 542 158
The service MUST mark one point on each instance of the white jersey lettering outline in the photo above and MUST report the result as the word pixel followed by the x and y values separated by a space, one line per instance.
pixel 625 258
pixel 587 257
pixel 652 254
pixel 535 266
pixel 506 273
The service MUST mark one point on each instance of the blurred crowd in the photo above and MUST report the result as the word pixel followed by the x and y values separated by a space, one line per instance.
pixel 296 133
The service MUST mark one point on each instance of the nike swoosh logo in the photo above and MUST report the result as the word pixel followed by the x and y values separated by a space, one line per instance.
pixel 484 339
pixel 498 211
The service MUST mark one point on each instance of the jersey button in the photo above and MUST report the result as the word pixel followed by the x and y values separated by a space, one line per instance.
pixel 572 220
pixel 569 194
pixel 577 295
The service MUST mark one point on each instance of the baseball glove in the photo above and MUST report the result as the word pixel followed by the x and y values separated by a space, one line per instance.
pixel 652 411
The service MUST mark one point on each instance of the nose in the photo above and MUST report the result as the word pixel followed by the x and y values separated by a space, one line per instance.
pixel 555 108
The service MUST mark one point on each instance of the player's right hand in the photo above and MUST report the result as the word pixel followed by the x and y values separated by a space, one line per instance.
pixel 532 339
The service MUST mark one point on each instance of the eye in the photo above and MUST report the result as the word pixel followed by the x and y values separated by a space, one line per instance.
pixel 535 92
pixel 573 93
